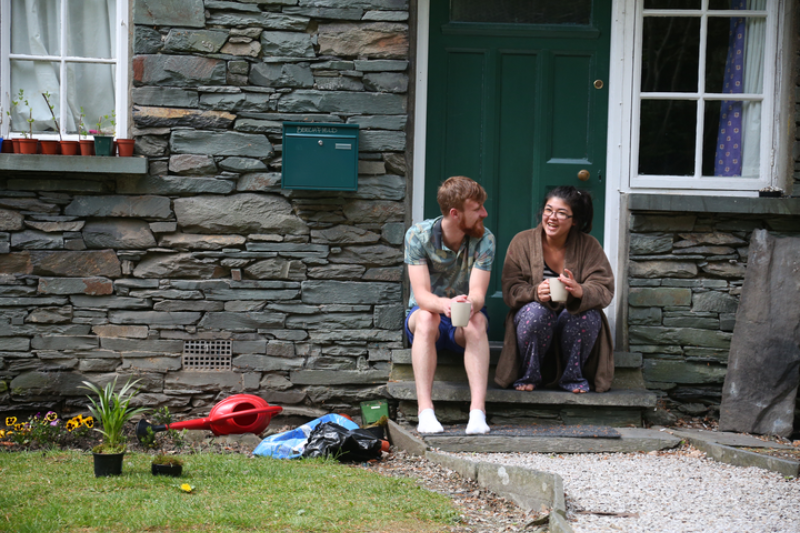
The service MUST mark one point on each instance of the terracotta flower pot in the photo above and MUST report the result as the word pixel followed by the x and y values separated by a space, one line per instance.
pixel 125 147
pixel 70 148
pixel 50 147
pixel 87 146
pixel 28 146
pixel 15 145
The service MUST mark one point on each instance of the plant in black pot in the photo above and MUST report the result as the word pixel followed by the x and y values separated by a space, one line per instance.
pixel 113 409
pixel 166 465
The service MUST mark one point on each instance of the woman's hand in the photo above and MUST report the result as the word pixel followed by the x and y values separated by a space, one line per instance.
pixel 572 286
pixel 543 291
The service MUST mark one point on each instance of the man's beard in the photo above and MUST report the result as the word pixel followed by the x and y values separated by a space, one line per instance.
pixel 475 231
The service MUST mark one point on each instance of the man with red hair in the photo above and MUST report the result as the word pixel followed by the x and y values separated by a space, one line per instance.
pixel 449 260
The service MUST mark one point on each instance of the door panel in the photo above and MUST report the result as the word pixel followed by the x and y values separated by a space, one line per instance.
pixel 513 106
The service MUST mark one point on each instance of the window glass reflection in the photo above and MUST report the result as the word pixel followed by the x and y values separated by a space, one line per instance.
pixel 670 52
pixel 667 131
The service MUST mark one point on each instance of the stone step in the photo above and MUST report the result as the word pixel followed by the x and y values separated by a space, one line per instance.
pixel 459 392
pixel 450 367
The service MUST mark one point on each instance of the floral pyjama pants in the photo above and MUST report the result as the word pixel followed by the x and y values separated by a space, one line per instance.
pixel 538 325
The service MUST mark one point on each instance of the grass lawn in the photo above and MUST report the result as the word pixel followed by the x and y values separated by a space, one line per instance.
pixel 57 491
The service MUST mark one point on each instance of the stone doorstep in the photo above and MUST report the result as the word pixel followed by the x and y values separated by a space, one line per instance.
pixel 721 446
pixel 459 392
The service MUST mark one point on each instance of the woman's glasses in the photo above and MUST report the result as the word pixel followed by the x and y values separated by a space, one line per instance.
pixel 560 215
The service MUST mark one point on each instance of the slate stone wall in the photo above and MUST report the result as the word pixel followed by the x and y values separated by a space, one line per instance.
pixel 685 276
pixel 106 275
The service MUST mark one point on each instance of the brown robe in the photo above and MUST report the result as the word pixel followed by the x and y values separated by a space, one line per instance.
pixel 524 270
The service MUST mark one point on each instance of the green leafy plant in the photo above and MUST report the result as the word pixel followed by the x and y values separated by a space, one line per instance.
pixel 164 459
pixel 14 104
pixel 81 126
pixel 46 96
pixel 113 410
pixel 162 416
pixel 112 120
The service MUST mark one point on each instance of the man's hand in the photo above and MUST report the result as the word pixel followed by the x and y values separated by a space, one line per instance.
pixel 460 298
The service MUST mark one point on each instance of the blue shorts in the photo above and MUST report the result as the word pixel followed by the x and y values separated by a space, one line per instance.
pixel 447 332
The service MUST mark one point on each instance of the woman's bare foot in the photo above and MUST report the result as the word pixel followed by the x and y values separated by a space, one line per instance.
pixel 578 391
pixel 525 387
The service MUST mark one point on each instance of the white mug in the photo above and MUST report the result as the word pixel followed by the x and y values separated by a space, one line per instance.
pixel 557 291
pixel 459 313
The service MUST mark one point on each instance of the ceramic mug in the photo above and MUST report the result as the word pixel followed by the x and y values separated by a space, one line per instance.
pixel 557 291
pixel 459 313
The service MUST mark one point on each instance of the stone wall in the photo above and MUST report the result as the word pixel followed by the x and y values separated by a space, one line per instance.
pixel 106 275
pixel 685 276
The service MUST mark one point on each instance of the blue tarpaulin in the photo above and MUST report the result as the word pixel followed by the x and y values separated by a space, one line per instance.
pixel 290 445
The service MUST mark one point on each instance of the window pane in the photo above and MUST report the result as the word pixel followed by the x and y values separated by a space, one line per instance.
pixel 735 58
pixel 732 145
pixel 736 4
pixel 35 27
pixel 34 78
pixel 522 11
pixel 90 26
pixel 91 86
pixel 672 4
pixel 670 52
pixel 667 137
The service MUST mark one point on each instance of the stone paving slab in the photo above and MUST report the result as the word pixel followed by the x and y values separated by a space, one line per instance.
pixel 722 447
pixel 728 439
pixel 631 440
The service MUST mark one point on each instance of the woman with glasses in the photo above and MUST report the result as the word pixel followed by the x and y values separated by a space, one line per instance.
pixel 568 344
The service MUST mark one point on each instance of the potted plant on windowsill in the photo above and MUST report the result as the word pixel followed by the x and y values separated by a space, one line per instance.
pixel 27 145
pixel 86 145
pixel 104 137
pixel 51 147
pixel 113 410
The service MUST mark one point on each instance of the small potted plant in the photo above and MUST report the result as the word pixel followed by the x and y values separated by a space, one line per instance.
pixel 113 410
pixel 86 145
pixel 51 147
pixel 9 114
pixel 104 137
pixel 27 145
pixel 166 465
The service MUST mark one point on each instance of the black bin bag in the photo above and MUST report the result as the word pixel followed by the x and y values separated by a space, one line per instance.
pixel 346 445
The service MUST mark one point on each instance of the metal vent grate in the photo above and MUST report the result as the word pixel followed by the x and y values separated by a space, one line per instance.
pixel 207 355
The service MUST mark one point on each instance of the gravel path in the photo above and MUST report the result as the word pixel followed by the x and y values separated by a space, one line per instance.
pixel 665 492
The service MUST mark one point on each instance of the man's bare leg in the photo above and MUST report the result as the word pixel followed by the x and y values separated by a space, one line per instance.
pixel 476 362
pixel 425 327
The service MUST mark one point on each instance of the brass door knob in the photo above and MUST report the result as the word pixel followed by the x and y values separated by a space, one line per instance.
pixel 583 175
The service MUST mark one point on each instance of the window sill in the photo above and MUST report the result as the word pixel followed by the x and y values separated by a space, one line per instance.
pixel 713 204
pixel 73 164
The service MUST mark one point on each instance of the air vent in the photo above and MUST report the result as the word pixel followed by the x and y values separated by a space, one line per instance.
pixel 207 355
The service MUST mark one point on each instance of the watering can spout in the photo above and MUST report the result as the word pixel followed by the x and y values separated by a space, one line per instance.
pixel 240 413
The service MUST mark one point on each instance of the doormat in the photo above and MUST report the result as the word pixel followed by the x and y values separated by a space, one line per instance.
pixel 579 431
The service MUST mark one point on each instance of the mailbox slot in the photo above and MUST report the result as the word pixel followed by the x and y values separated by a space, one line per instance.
pixel 320 157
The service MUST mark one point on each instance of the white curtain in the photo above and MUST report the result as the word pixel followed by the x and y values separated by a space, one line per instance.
pixel 36 27
pixel 753 84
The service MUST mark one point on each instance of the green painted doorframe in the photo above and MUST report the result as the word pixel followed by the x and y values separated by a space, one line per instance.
pixel 517 109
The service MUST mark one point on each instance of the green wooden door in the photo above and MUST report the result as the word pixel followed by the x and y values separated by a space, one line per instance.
pixel 520 108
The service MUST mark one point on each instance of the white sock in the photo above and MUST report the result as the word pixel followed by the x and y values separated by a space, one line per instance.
pixel 428 422
pixel 477 422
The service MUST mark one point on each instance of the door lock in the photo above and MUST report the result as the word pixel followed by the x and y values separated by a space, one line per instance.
pixel 598 84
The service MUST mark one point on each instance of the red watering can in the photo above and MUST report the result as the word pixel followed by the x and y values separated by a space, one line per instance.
pixel 240 413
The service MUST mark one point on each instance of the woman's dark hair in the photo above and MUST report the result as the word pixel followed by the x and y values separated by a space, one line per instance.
pixel 579 201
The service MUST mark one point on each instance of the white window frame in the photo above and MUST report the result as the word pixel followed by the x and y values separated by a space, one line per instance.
pixel 121 72
pixel 774 147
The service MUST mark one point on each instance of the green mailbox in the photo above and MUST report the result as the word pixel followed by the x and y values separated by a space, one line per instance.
pixel 320 157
